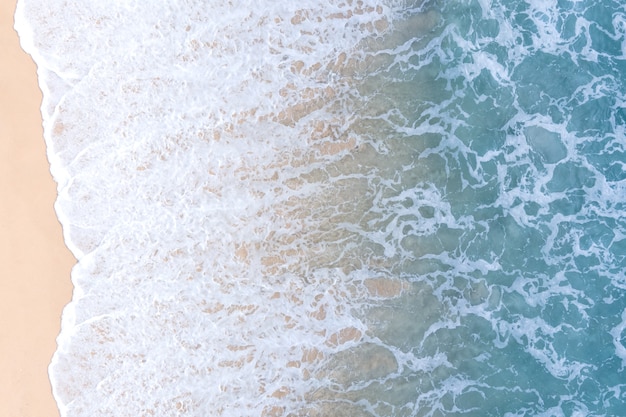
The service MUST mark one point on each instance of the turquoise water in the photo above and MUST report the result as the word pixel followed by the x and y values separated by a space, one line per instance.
pixel 511 118
pixel 338 208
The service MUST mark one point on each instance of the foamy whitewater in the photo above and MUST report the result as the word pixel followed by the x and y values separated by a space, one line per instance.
pixel 339 207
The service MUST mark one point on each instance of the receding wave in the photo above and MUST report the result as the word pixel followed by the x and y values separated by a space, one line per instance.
pixel 338 208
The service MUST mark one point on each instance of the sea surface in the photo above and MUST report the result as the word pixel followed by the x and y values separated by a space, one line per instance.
pixel 339 207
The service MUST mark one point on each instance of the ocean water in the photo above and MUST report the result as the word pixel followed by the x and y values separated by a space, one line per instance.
pixel 338 208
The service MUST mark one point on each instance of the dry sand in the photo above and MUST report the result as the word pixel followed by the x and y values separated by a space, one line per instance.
pixel 34 263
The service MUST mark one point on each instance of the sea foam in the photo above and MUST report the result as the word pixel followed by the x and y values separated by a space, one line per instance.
pixel 338 208
pixel 198 151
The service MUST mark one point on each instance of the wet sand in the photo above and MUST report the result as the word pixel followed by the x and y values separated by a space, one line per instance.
pixel 34 262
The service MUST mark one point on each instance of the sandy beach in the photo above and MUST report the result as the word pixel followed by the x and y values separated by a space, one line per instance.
pixel 34 262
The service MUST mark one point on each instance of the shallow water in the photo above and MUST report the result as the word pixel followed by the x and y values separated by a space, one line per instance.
pixel 338 208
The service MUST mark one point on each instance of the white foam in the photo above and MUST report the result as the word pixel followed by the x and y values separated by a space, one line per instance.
pixel 192 144
pixel 617 334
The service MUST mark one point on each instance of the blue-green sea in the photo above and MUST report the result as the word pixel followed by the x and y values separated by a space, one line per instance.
pixel 338 208
pixel 508 210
